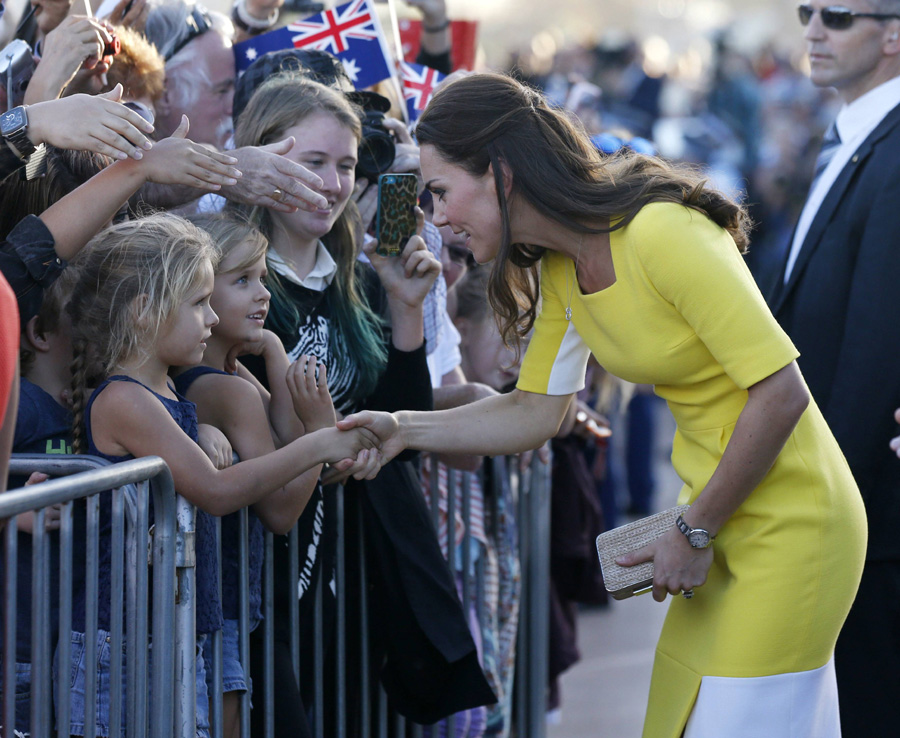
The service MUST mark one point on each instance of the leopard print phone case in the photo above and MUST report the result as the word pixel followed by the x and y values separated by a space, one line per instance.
pixel 396 221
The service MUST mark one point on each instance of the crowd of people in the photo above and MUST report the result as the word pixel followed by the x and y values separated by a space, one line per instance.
pixel 191 270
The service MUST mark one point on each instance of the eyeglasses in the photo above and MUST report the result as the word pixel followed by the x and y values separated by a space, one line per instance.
pixel 837 17
pixel 197 23
pixel 141 109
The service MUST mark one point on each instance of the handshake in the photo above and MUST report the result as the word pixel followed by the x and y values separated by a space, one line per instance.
pixel 362 443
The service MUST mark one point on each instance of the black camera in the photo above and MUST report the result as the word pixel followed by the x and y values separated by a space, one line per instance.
pixel 16 67
pixel 376 149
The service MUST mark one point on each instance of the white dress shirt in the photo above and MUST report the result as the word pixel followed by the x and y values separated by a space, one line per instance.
pixel 854 123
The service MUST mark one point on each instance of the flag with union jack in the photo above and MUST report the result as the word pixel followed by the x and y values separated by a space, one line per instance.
pixel 418 87
pixel 351 32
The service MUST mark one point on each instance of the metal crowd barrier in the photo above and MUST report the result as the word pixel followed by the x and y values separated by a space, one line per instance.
pixel 172 698
pixel 154 697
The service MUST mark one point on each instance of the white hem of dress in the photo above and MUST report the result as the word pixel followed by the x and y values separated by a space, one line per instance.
pixel 801 704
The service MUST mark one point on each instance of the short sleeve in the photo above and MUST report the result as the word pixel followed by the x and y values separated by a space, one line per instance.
pixel 695 266
pixel 555 362
pixel 29 262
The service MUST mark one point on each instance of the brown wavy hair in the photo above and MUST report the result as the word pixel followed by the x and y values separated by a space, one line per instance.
pixel 490 120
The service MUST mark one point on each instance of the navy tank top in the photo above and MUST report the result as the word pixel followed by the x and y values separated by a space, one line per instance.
pixel 209 609
pixel 231 531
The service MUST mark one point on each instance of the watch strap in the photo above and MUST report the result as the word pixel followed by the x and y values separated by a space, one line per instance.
pixel 686 529
pixel 18 140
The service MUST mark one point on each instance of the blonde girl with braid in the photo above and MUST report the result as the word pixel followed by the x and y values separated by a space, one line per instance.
pixel 141 306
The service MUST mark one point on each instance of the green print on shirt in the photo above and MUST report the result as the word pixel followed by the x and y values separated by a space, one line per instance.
pixel 57 447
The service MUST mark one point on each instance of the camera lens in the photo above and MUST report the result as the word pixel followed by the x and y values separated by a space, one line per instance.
pixel 376 150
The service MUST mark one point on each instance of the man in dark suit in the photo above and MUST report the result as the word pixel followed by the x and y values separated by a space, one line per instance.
pixel 838 297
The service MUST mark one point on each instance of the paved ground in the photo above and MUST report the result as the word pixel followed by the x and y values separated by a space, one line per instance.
pixel 605 694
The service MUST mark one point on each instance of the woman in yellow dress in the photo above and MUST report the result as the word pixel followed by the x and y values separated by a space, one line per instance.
pixel 639 264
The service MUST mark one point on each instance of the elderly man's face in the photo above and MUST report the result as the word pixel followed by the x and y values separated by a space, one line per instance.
pixel 212 70
pixel 50 13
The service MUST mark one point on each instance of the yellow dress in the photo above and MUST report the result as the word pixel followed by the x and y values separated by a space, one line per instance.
pixel 686 316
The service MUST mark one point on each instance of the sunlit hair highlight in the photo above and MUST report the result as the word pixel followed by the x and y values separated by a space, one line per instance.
pixel 132 279
pixel 229 231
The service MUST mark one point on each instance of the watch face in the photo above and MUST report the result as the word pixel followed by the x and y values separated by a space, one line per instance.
pixel 11 120
pixel 699 538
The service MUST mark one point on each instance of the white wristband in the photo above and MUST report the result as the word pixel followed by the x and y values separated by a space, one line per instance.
pixel 240 8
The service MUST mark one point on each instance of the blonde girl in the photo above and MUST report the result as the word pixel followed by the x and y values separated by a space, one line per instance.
pixel 237 407
pixel 140 307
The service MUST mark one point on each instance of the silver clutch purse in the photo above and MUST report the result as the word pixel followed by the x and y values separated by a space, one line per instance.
pixel 623 582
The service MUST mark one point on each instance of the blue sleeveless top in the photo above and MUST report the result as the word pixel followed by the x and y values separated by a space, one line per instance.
pixel 231 531
pixel 209 610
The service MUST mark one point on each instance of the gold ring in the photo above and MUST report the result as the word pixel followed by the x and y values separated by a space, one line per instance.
pixel 277 195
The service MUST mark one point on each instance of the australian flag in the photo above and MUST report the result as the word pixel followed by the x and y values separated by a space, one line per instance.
pixel 350 32
pixel 418 86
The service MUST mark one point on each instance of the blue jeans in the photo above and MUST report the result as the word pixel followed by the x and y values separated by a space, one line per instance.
pixel 234 679
pixel 75 681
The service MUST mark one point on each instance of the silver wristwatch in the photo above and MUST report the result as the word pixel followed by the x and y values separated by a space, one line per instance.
pixel 697 537
pixel 14 129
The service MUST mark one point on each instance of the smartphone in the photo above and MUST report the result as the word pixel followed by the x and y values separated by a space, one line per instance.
pixel 395 222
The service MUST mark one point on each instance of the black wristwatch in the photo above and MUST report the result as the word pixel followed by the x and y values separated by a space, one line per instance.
pixel 14 129
pixel 697 537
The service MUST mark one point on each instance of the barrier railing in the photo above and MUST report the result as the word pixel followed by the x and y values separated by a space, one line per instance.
pixel 85 478
pixel 172 697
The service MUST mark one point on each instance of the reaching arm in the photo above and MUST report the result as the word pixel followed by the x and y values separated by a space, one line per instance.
pixel 242 418
pixel 127 419
pixel 774 406
pixel 78 216
pixel 505 424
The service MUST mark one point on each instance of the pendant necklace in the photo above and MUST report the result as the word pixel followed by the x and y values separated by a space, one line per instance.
pixel 570 289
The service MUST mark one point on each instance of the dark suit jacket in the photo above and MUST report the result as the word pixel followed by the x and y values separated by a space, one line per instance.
pixel 841 307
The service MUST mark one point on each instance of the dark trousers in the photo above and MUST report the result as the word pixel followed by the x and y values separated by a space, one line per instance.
pixel 867 657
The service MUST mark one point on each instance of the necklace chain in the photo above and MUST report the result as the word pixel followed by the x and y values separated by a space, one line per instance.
pixel 570 289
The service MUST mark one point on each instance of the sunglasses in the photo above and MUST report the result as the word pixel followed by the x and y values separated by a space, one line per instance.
pixel 141 109
pixel 197 23
pixel 837 17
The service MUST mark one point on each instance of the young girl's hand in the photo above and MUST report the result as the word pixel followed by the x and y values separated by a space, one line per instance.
pixel 215 445
pixel 312 400
pixel 179 161
pixel 344 447
pixel 407 278
pixel 52 514
pixel 265 346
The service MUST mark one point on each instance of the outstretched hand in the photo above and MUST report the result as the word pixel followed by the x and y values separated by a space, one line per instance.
pixel 677 567
pixel 97 123
pixel 179 161
pixel 273 181
pixel 383 425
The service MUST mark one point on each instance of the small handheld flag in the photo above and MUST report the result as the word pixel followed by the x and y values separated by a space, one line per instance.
pixel 351 32
pixel 418 87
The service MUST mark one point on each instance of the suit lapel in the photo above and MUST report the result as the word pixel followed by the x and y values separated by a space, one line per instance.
pixel 829 208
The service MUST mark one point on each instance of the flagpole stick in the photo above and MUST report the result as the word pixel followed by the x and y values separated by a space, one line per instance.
pixel 398 47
